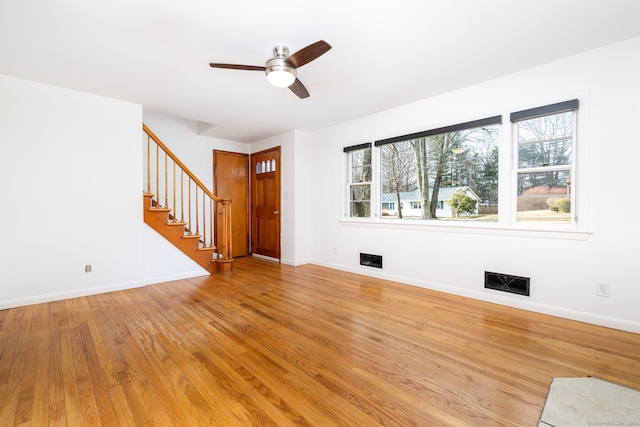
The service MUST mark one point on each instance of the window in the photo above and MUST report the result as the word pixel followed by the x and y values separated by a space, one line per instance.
pixel 359 185
pixel 427 168
pixel 454 173
pixel 545 147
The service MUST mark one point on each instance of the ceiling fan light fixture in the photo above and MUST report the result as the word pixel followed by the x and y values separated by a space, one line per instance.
pixel 281 77
pixel 281 69
pixel 279 73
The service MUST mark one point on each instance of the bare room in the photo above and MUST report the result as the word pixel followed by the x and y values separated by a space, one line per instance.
pixel 285 213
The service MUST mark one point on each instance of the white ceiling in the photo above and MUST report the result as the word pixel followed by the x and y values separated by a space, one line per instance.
pixel 385 53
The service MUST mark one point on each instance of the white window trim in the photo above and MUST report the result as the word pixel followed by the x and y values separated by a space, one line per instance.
pixel 473 229
pixel 580 143
pixel 346 195
pixel 507 224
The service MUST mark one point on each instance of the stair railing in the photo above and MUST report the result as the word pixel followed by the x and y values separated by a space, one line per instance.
pixel 204 215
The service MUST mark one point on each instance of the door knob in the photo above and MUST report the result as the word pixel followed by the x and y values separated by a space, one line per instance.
pixel 276 212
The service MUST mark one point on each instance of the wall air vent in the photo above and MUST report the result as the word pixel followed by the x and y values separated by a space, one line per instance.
pixel 507 283
pixel 371 260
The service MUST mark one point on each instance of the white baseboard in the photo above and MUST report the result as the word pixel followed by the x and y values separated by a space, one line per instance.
pixel 515 301
pixel 172 277
pixel 57 296
pixel 294 263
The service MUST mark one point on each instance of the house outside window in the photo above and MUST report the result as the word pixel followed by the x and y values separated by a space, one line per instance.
pixel 359 185
pixel 545 147
pixel 452 174
pixel 425 169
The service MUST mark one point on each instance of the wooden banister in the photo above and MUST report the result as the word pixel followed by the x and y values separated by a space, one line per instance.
pixel 205 214
pixel 181 165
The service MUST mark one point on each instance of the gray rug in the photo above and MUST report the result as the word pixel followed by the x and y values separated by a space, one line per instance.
pixel 590 402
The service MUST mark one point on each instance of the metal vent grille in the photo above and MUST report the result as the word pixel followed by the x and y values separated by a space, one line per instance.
pixel 507 283
pixel 371 260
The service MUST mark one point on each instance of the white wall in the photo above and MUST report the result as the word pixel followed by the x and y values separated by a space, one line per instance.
pixel 70 191
pixel 194 150
pixel 304 166
pixel 563 270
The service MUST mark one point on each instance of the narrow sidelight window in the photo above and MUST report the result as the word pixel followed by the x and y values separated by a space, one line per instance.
pixel 359 185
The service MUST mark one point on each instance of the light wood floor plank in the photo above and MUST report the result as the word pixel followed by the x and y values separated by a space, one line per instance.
pixel 243 334
pixel 274 345
pixel 24 410
pixel 42 391
pixel 72 403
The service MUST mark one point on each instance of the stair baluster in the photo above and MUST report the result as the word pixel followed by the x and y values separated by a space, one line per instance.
pixel 212 247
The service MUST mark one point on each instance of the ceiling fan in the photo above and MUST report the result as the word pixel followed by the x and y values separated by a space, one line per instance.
pixel 281 69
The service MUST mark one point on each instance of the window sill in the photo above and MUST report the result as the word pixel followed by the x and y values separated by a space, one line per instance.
pixel 494 229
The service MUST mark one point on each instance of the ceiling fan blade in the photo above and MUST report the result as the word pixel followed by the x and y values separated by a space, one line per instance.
pixel 238 67
pixel 298 88
pixel 308 54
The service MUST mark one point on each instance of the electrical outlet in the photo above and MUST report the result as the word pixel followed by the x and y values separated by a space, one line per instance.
pixel 87 268
pixel 602 289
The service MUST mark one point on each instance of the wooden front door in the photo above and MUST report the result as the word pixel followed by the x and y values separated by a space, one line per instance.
pixel 231 181
pixel 265 203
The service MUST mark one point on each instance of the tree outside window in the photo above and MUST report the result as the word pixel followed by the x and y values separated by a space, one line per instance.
pixel 453 173
pixel 360 175
pixel 426 169
pixel 545 166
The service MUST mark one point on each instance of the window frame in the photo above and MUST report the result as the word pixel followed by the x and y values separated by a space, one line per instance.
pixel 547 110
pixel 470 125
pixel 507 178
pixel 350 184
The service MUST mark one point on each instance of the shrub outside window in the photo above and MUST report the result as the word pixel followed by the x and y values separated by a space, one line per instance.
pixel 447 173
pixel 453 173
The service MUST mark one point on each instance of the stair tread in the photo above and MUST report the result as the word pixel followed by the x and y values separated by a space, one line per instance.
pixel 207 257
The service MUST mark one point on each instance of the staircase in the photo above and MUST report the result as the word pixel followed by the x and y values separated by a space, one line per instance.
pixel 182 210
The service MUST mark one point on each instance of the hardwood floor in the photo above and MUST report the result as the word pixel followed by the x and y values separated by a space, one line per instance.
pixel 273 345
